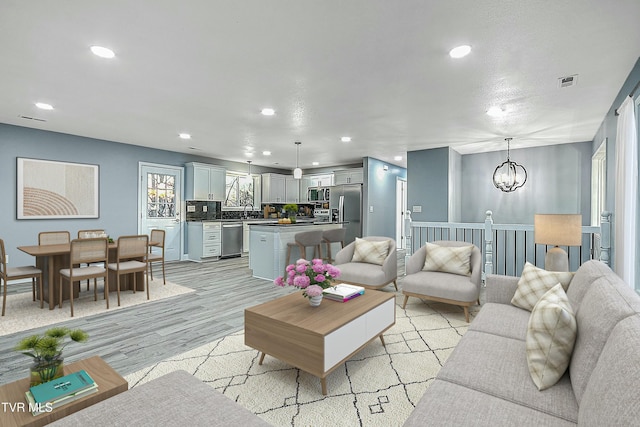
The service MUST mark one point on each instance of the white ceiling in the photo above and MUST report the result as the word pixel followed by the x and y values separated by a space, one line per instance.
pixel 376 70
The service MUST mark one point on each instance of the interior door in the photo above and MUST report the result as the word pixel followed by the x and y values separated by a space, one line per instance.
pixel 160 205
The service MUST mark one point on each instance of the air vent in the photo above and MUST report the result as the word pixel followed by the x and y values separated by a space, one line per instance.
pixel 568 81
pixel 32 118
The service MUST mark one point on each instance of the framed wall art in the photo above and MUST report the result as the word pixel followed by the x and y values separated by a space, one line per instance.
pixel 50 189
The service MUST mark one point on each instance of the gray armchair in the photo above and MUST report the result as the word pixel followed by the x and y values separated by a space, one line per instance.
pixel 443 287
pixel 365 274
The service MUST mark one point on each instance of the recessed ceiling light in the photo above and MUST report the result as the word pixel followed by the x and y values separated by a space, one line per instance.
pixel 44 106
pixel 460 51
pixel 345 139
pixel 102 52
pixel 496 111
pixel 397 158
pixel 267 111
pixel 184 136
pixel 266 153
pixel 315 163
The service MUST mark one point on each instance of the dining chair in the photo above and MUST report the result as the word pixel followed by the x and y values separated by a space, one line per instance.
pixel 87 234
pixel 15 273
pixel 87 252
pixel 53 237
pixel 131 257
pixel 156 241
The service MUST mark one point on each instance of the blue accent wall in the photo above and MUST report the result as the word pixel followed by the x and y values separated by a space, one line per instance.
pixel 379 193
pixel 428 184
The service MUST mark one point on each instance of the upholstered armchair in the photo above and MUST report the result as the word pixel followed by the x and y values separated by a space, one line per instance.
pixel 372 269
pixel 439 284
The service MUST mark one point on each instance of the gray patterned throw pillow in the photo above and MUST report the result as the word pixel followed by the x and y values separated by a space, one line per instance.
pixel 448 259
pixel 534 282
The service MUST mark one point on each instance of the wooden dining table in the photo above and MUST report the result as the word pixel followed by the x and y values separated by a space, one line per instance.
pixel 52 258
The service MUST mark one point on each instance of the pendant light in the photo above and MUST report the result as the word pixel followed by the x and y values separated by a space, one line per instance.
pixel 249 161
pixel 297 172
pixel 509 176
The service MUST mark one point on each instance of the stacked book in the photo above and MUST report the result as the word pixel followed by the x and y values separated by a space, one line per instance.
pixel 47 396
pixel 343 292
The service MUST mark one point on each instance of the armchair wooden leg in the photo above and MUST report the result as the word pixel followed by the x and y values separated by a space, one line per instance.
pixel 406 298
pixel 466 313
pixel 395 285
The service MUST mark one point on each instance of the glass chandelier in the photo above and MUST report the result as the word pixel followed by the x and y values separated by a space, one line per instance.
pixel 509 175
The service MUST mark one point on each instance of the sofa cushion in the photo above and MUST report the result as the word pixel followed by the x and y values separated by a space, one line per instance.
pixel 588 273
pixel 449 404
pixel 448 259
pixel 441 285
pixel 362 273
pixel 371 252
pixel 534 282
pixel 610 397
pixel 498 366
pixel 502 320
pixel 551 334
pixel 607 301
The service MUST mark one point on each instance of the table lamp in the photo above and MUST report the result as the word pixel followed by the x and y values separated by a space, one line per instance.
pixel 557 230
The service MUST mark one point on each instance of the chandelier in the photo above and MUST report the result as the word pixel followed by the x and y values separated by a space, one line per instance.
pixel 509 175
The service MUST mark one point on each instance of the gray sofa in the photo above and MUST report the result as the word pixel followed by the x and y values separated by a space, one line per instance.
pixel 485 381
pixel 177 398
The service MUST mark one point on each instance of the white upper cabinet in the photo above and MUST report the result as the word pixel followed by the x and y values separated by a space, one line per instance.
pixel 292 189
pixel 349 176
pixel 205 182
pixel 273 188
pixel 325 180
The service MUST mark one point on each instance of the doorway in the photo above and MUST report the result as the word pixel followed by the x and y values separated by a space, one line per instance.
pixel 401 208
pixel 160 205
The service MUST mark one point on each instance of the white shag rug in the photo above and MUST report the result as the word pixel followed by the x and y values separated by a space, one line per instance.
pixel 379 386
pixel 23 313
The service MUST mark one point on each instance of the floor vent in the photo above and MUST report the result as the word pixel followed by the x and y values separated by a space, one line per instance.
pixel 568 81
pixel 32 118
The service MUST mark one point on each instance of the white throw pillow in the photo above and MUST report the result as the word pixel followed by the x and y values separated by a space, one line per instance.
pixel 448 259
pixel 372 252
pixel 534 282
pixel 551 336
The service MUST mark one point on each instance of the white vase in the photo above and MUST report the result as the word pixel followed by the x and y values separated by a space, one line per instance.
pixel 315 301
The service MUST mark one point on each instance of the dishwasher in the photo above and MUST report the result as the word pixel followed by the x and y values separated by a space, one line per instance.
pixel 231 239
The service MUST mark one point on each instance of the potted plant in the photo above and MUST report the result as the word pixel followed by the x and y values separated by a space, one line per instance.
pixel 312 277
pixel 46 351
pixel 292 210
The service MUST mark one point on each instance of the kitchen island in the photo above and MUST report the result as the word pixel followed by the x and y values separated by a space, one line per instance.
pixel 268 246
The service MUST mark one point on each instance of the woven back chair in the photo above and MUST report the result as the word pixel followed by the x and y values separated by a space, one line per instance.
pixel 83 255
pixel 156 251
pixel 53 237
pixel 131 258
pixel 88 234
pixel 15 273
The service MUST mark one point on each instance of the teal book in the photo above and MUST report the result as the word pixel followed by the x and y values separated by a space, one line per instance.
pixel 61 387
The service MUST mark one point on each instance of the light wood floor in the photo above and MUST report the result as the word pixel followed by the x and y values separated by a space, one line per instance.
pixel 133 338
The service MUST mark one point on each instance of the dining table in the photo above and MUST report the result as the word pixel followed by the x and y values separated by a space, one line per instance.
pixel 52 258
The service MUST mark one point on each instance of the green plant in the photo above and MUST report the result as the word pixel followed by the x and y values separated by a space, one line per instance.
pixel 291 208
pixel 48 346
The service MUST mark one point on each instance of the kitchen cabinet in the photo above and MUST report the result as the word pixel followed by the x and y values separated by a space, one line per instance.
pixel 273 188
pixel 349 176
pixel 245 236
pixel 205 182
pixel 291 189
pixel 205 240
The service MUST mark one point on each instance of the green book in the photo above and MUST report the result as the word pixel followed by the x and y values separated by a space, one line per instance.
pixel 61 387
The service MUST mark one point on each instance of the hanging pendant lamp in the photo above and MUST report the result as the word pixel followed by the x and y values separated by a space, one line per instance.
pixel 249 161
pixel 297 172
pixel 509 176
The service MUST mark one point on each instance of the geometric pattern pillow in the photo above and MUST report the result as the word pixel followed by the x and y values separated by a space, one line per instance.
pixel 370 252
pixel 534 282
pixel 550 337
pixel 455 260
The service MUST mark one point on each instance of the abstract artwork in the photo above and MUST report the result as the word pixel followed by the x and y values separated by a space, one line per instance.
pixel 49 189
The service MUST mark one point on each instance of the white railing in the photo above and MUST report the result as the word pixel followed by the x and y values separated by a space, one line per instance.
pixel 506 247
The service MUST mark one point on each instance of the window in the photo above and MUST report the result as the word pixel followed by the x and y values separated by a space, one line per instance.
pixel 161 196
pixel 241 190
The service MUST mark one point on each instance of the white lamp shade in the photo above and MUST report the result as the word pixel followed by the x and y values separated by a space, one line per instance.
pixel 297 173
pixel 558 229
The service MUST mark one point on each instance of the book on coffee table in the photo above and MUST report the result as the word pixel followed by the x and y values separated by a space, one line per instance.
pixel 62 387
pixel 37 408
pixel 343 292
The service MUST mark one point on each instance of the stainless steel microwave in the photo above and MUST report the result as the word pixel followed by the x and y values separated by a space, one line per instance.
pixel 318 194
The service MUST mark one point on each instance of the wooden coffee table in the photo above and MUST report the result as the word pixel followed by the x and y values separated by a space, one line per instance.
pixel 14 409
pixel 317 340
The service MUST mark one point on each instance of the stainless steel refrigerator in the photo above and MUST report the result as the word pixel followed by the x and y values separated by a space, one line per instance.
pixel 347 200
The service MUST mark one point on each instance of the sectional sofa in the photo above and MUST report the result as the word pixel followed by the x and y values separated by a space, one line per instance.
pixel 486 380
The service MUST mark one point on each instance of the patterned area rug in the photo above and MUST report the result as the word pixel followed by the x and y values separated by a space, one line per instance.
pixel 379 386
pixel 23 313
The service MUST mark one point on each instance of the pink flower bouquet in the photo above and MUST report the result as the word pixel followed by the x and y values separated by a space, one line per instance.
pixel 304 275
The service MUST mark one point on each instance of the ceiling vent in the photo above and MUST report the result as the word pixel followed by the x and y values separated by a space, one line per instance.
pixel 32 118
pixel 568 81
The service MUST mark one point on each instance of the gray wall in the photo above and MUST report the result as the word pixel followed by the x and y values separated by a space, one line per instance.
pixel 118 182
pixel 455 186
pixel 559 181
pixel 608 130
pixel 379 192
pixel 428 184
